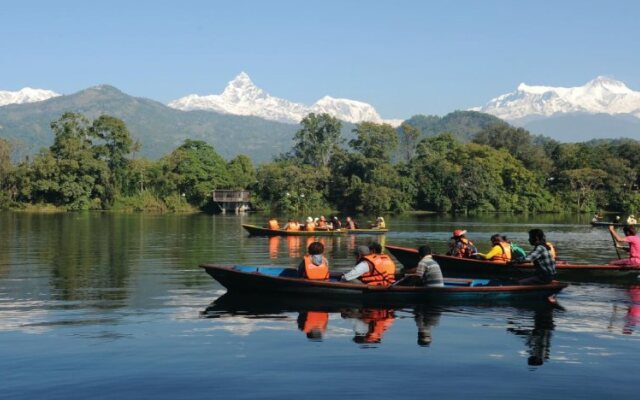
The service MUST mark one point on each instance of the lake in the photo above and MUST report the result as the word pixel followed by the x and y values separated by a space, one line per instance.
pixel 103 306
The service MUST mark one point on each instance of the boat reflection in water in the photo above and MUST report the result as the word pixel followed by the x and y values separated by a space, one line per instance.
pixel 632 318
pixel 369 324
pixel 537 337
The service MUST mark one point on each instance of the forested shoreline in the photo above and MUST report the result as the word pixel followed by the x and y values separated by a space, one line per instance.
pixel 94 165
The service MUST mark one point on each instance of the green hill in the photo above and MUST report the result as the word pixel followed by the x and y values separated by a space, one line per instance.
pixel 462 124
pixel 159 128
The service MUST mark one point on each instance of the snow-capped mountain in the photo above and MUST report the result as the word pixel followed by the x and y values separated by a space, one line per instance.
pixel 242 97
pixel 601 95
pixel 25 95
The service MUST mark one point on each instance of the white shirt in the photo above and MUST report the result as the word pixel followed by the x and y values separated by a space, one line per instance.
pixel 357 271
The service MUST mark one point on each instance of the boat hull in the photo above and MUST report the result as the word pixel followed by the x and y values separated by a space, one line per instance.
pixel 456 266
pixel 284 281
pixel 260 231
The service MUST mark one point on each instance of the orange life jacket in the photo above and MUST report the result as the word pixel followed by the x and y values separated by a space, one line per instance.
pixel 322 224
pixel 316 272
pixel 381 272
pixel 506 252
pixel 379 322
pixel 273 224
pixel 466 250
pixel 293 226
pixel 310 226
pixel 316 320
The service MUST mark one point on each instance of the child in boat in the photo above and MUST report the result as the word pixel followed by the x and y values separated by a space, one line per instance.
pixel 314 266
pixel 634 245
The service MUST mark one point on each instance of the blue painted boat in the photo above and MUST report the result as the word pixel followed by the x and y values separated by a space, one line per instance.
pixel 285 281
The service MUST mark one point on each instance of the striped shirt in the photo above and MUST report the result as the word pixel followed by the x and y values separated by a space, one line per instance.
pixel 430 271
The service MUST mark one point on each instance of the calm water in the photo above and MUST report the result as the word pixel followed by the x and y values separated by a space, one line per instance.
pixel 98 306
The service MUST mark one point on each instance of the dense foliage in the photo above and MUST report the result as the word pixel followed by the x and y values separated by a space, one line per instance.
pixel 483 165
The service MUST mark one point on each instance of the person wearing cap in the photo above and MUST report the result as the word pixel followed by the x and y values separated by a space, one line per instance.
pixel 631 220
pixel 379 224
pixel 310 225
pixel 371 268
pixel 460 246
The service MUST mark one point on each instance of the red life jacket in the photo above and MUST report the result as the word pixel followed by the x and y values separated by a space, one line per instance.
pixel 381 272
pixel 316 272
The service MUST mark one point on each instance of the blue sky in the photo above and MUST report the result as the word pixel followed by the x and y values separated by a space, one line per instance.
pixel 403 57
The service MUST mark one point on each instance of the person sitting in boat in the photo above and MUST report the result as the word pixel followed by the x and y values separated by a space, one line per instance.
pixel 273 223
pixel 379 224
pixel 314 265
pixel 310 226
pixel 541 257
pixel 351 224
pixel 336 224
pixel 596 218
pixel 292 226
pixel 460 246
pixel 322 223
pixel 500 250
pixel 634 245
pixel 371 269
pixel 631 220
pixel 428 270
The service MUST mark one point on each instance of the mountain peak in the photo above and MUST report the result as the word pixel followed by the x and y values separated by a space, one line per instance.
pixel 242 97
pixel 25 95
pixel 600 95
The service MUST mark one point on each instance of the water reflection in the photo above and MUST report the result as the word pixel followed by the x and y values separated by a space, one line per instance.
pixel 537 337
pixel 313 324
pixel 369 324
pixel 633 313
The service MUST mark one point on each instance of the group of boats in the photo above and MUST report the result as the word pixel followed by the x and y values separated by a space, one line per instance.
pixel 466 278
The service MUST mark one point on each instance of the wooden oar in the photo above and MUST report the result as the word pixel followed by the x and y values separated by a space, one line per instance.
pixel 615 244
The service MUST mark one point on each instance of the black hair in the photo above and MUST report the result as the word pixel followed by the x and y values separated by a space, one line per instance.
pixel 495 237
pixel 536 236
pixel 375 247
pixel 424 250
pixel 315 248
pixel 629 230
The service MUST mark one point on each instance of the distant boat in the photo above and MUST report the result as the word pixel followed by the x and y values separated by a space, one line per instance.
pixel 285 281
pixel 606 224
pixel 255 230
pixel 470 267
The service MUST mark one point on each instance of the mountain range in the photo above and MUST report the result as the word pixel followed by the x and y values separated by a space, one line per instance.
pixel 246 120
pixel 602 108
pixel 242 97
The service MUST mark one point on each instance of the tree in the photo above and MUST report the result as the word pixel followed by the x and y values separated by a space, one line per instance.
pixel 582 183
pixel 408 136
pixel 241 172
pixel 375 141
pixel 116 145
pixel 196 169
pixel 317 140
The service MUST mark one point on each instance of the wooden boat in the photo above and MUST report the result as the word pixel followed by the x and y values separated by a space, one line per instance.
pixel 255 230
pixel 467 267
pixel 605 224
pixel 285 281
